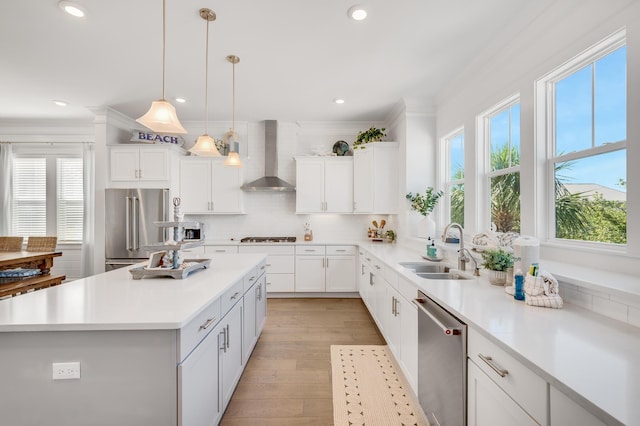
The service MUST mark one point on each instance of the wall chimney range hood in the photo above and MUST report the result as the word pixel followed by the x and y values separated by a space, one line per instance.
pixel 270 182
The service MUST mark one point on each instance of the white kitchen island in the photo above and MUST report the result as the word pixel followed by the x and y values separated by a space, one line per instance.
pixel 151 352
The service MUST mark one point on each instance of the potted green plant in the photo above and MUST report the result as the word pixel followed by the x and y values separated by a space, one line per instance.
pixel 497 261
pixel 424 205
pixel 367 136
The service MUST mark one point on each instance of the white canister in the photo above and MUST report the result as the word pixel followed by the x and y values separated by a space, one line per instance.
pixel 527 249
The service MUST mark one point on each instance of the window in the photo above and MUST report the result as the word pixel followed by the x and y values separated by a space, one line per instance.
pixel 586 128
pixel 502 133
pixel 47 197
pixel 454 176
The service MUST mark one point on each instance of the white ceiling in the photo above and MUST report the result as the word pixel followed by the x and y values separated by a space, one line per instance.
pixel 296 56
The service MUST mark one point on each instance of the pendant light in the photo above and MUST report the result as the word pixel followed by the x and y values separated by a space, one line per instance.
pixel 162 117
pixel 233 159
pixel 205 144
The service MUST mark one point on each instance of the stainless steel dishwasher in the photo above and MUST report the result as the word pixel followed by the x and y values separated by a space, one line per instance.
pixel 442 367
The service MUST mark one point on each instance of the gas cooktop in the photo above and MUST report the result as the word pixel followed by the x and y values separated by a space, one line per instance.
pixel 268 240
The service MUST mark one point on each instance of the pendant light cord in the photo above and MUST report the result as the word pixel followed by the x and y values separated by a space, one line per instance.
pixel 206 83
pixel 233 100
pixel 164 13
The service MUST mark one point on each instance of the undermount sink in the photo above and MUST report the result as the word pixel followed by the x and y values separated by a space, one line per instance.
pixel 433 272
pixel 419 267
pixel 442 276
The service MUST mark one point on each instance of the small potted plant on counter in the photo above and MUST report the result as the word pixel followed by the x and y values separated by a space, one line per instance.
pixel 366 136
pixel 497 261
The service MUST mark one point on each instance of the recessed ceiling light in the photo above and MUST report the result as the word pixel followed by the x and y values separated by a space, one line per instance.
pixel 357 13
pixel 181 100
pixel 338 101
pixel 72 8
pixel 60 103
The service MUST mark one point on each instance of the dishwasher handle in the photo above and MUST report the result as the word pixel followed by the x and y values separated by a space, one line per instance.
pixel 449 331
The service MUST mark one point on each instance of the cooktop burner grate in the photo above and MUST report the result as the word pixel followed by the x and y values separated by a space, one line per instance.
pixel 268 240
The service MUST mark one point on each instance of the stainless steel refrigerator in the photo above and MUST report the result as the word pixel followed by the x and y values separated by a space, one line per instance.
pixel 130 215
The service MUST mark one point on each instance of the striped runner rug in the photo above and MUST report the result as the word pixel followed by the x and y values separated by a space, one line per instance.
pixel 370 389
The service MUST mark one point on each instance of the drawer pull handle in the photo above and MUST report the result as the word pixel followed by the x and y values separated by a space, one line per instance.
pixel 368 259
pixel 207 324
pixel 235 295
pixel 377 267
pixel 252 278
pixel 264 266
pixel 311 250
pixel 489 361
pixel 268 283
pixel 341 250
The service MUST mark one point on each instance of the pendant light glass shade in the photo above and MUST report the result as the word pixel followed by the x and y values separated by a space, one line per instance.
pixel 205 145
pixel 162 117
pixel 233 159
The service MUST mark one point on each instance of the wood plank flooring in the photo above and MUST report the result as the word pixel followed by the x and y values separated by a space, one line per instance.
pixel 288 378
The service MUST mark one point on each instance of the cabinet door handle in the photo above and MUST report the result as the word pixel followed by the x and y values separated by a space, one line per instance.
pixel 139 173
pixel 396 307
pixel 227 336
pixel 327 263
pixel 224 339
pixel 207 323
pixel 489 361
pixel 393 306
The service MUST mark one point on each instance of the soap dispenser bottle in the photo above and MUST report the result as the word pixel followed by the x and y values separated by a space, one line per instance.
pixel 432 251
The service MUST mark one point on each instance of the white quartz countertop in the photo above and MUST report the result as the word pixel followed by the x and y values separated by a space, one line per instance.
pixel 592 358
pixel 115 301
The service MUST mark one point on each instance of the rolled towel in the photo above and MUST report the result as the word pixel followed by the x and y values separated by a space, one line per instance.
pixel 553 301
pixel 544 283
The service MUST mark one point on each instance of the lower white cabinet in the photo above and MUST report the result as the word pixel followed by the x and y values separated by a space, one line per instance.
pixel 199 385
pixel 565 411
pixel 230 352
pixel 280 265
pixel 254 315
pixel 326 269
pixel 489 405
pixel 503 391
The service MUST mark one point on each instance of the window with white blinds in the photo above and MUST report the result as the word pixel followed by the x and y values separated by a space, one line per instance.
pixel 47 197
pixel 70 204
pixel 29 207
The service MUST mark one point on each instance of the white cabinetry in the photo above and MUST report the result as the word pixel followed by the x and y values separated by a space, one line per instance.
pixel 375 178
pixel 207 186
pixel 565 411
pixel 231 354
pixel 280 265
pixel 326 269
pixel 500 389
pixel 137 166
pixel 324 185
pixel 255 310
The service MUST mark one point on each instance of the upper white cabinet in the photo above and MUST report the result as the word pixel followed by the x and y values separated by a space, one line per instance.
pixel 375 178
pixel 324 184
pixel 134 165
pixel 207 186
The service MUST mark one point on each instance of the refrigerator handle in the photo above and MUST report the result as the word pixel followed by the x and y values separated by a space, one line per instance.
pixel 127 222
pixel 134 223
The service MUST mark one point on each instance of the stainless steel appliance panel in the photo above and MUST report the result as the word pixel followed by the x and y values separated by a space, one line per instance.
pixel 442 371
pixel 129 220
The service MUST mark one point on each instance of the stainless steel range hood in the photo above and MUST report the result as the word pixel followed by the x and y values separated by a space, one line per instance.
pixel 270 182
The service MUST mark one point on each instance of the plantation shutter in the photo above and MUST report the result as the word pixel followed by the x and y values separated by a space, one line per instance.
pixel 70 199
pixel 29 206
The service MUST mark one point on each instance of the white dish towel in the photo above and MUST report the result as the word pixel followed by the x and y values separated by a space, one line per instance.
pixel 542 290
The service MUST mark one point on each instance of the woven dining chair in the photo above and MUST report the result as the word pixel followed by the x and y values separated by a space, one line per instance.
pixel 11 243
pixel 42 243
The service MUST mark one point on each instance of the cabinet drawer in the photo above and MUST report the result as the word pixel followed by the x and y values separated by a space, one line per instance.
pixel 280 283
pixel 197 329
pixel 250 279
pixel 280 264
pixel 341 250
pixel 220 249
pixel 269 249
pixel 190 253
pixel 231 296
pixel 527 388
pixel 303 250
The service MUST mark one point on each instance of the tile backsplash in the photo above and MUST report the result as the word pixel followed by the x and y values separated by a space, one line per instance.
pixel 603 302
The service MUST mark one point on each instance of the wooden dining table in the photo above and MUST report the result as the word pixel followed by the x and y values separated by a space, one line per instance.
pixel 28 260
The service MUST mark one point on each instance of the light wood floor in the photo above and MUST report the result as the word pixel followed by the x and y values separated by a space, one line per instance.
pixel 288 378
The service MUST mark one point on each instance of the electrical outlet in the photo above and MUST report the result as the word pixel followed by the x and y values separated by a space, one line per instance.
pixel 66 370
